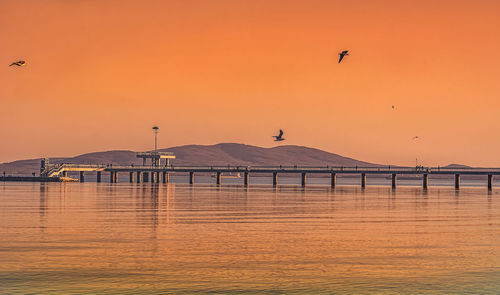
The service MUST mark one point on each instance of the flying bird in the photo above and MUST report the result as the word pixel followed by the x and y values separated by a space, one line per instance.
pixel 393 107
pixel 342 54
pixel 279 137
pixel 415 137
pixel 19 63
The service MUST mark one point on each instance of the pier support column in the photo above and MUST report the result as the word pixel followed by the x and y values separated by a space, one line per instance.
pixel 111 177
pixel 218 178
pixel 394 179
pixel 99 175
pixel 275 178
pixel 333 179
pixel 157 177
pixel 82 176
pixel 145 177
pixel 138 177
pixel 363 180
pixel 457 181
pixel 191 177
pixel 303 179
pixel 246 178
pixel 425 181
pixel 131 177
pixel 490 182
pixel 65 173
pixel 164 177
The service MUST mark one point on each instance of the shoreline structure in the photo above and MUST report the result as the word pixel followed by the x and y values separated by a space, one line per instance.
pixel 157 172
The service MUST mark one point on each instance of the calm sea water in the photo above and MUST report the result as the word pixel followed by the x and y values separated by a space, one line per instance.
pixel 88 238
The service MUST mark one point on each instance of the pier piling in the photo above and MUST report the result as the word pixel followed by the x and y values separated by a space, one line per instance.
pixel 457 181
pixel 98 176
pixel 218 178
pixel 303 179
pixel 490 182
pixel 113 177
pixel 363 180
pixel 394 178
pixel 333 180
pixel 275 178
pixel 246 178
pixel 82 176
pixel 425 181
pixel 131 177
pixel 191 177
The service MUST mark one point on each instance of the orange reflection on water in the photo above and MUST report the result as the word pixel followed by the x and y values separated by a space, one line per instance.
pixel 88 238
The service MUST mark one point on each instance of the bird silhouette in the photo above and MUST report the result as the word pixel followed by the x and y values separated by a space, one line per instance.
pixel 279 137
pixel 342 54
pixel 415 137
pixel 19 63
pixel 393 107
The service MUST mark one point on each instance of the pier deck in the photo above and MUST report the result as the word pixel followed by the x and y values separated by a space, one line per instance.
pixel 161 174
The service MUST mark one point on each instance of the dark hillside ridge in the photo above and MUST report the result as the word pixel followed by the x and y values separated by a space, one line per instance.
pixel 221 154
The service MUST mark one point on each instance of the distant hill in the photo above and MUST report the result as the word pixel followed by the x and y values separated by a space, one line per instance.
pixel 460 166
pixel 241 154
pixel 219 154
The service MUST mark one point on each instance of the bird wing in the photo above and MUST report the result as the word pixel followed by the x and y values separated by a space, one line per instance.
pixel 281 133
pixel 341 57
pixel 13 64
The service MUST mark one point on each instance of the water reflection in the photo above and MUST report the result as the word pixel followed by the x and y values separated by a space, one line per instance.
pixel 168 238
pixel 43 206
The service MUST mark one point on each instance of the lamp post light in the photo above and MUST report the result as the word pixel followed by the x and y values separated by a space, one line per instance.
pixel 155 130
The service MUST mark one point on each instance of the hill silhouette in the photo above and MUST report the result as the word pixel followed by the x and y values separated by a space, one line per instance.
pixel 218 154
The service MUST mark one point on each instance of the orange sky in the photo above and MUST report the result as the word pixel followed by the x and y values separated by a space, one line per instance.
pixel 100 74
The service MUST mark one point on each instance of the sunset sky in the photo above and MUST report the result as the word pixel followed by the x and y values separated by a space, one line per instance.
pixel 101 73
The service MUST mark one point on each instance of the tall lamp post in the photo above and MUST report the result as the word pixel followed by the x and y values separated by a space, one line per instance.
pixel 155 130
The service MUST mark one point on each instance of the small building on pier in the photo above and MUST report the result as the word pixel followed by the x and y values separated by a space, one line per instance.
pixel 156 158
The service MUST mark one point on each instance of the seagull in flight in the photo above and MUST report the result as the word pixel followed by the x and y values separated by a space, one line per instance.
pixel 279 136
pixel 393 107
pixel 19 63
pixel 342 54
pixel 415 137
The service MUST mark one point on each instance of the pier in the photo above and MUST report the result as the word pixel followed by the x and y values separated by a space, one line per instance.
pixel 30 178
pixel 160 174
